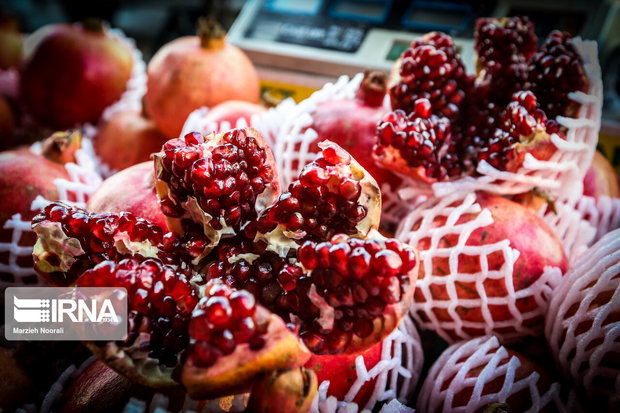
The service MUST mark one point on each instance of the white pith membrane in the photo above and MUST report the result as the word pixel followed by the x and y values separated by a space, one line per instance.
pixel 396 374
pixel 280 240
pixel 83 181
pixel 452 207
pixel 458 360
pixel 588 298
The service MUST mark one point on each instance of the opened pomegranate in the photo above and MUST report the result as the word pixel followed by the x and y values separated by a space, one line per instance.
pixel 503 46
pixel 555 70
pixel 430 69
pixel 195 71
pixel 351 123
pixel 333 194
pixel 127 138
pixel 168 323
pixel 25 175
pixel 219 182
pixel 141 200
pixel 419 145
pixel 601 179
pixel 71 73
pixel 471 375
pixel 470 283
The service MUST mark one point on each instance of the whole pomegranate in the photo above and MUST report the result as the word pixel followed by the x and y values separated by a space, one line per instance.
pixel 471 375
pixel 352 123
pixel 601 179
pixel 71 73
pixel 196 71
pixel 484 270
pixel 141 200
pixel 583 324
pixel 126 139
pixel 25 175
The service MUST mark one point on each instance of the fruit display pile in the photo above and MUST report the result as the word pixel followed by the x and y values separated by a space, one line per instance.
pixel 430 239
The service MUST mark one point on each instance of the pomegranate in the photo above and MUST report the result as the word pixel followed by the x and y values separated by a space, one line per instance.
pixel 11 43
pixel 286 391
pixel 468 294
pixel 351 123
pixel 218 182
pixel 471 375
pixel 231 111
pixel 333 194
pixel 196 71
pixel 171 324
pixel 141 200
pixel 503 46
pixel 341 372
pixel 583 324
pixel 423 146
pixel 25 175
pixel 601 179
pixel 127 138
pixel 555 70
pixel 430 69
pixel 65 66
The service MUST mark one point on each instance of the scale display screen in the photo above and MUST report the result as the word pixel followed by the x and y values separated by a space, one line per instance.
pixel 309 7
pixel 372 11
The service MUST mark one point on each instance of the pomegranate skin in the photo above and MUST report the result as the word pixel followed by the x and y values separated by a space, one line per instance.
pixel 600 179
pixel 72 73
pixel 184 76
pixel 126 139
pixel 131 190
pixel 340 370
pixel 538 247
pixel 23 176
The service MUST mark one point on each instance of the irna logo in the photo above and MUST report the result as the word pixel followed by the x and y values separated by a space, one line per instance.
pixel 79 310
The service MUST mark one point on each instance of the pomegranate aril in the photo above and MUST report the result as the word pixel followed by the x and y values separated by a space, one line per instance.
pixel 242 303
pixel 205 355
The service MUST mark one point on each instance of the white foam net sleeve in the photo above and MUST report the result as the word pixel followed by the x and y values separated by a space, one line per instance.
pixel 561 176
pixel 396 374
pixel 437 305
pixel 83 181
pixel 268 123
pixel 583 321
pixel 454 383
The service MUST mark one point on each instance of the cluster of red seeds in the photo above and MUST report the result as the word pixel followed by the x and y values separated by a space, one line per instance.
pixel 96 234
pixel 431 69
pixel 554 71
pixel 222 320
pixel 225 179
pixel 520 118
pixel 323 201
pixel 358 278
pixel 422 139
pixel 156 292
pixel 503 47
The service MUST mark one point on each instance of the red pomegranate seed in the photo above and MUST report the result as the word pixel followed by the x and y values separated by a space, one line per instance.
pixel 224 341
pixel 205 354
pixel 218 311
pixel 242 303
pixel 336 155
pixel 194 138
